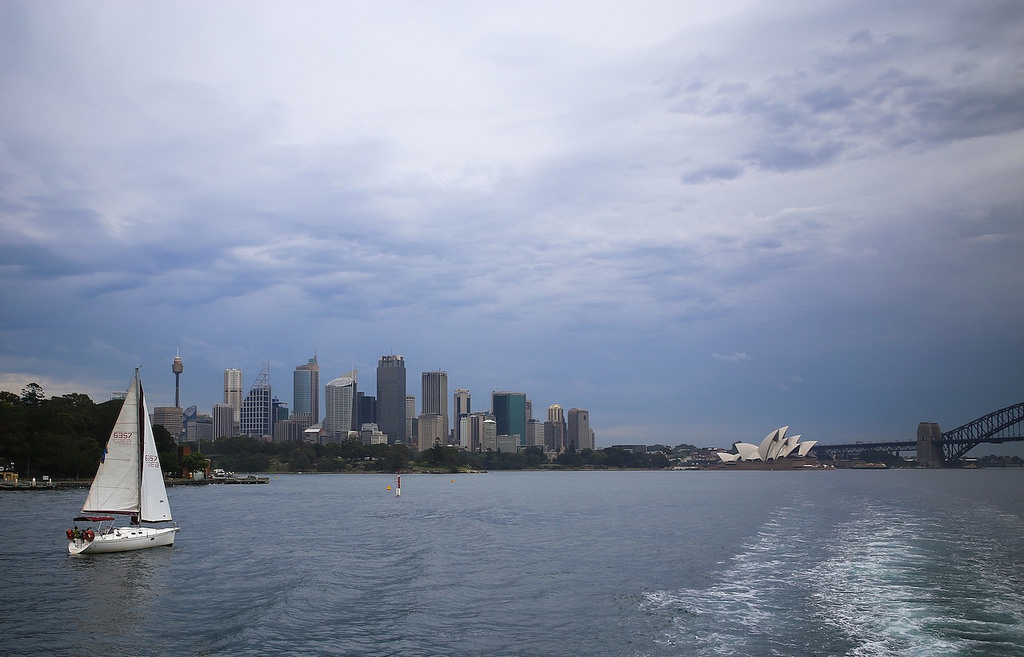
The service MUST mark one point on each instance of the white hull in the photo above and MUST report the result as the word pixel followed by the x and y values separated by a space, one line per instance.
pixel 124 539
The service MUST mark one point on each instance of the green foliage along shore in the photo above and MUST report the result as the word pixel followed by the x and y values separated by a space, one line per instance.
pixel 64 436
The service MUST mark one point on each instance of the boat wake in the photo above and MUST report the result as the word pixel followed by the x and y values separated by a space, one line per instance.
pixel 876 582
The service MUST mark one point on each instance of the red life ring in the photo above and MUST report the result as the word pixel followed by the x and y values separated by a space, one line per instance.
pixel 89 534
pixel 71 534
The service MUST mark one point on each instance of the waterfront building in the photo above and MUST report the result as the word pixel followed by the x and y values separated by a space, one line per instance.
pixel 435 400
pixel 579 435
pixel 224 425
pixel 775 446
pixel 306 390
pixel 233 391
pixel 391 398
pixel 509 410
pixel 341 416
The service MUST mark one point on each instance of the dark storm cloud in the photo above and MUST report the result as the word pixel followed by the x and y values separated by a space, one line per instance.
pixel 757 210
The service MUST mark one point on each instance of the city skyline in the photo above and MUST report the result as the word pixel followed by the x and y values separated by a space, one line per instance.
pixel 699 221
pixel 340 400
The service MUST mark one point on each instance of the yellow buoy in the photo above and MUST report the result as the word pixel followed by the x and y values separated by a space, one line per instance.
pixel 389 487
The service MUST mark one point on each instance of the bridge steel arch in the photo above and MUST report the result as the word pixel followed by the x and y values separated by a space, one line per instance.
pixel 1002 426
pixel 992 428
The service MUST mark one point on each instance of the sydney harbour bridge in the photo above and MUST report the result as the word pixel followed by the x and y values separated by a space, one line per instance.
pixel 936 449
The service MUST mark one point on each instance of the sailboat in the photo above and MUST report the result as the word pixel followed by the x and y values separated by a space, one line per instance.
pixel 129 483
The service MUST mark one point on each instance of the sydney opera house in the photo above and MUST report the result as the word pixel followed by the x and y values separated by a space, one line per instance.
pixel 775 447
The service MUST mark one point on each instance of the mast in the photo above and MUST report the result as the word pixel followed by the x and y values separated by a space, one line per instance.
pixel 141 432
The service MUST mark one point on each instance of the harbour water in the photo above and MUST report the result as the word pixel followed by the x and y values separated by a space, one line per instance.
pixel 530 563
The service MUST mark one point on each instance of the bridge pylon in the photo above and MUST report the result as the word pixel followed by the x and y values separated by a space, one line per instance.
pixel 929 445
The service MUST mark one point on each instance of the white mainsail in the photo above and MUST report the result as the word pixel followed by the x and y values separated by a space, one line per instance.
pixel 129 479
pixel 152 493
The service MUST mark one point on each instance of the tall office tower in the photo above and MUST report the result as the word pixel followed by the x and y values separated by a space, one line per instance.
pixel 435 399
pixel 411 429
pixel 367 406
pixel 534 433
pixel 489 435
pixel 256 413
pixel 177 367
pixel 340 398
pixel 278 411
pixel 510 414
pixel 233 391
pixel 460 404
pixel 306 390
pixel 391 412
pixel 223 421
pixel 554 428
pixel 580 436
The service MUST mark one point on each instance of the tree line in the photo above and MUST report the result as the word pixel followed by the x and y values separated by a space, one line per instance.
pixel 244 454
pixel 64 436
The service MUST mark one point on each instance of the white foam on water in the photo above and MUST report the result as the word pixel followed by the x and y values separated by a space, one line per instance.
pixel 749 608
pixel 874 582
pixel 896 584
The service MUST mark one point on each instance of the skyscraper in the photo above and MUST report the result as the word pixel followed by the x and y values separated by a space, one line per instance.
pixel 554 428
pixel 391 414
pixel 341 415
pixel 435 399
pixel 410 420
pixel 461 403
pixel 223 421
pixel 367 407
pixel 479 431
pixel 257 407
pixel 306 390
pixel 510 414
pixel 233 391
pixel 580 435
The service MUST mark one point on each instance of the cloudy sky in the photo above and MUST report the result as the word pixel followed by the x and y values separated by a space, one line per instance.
pixel 699 221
